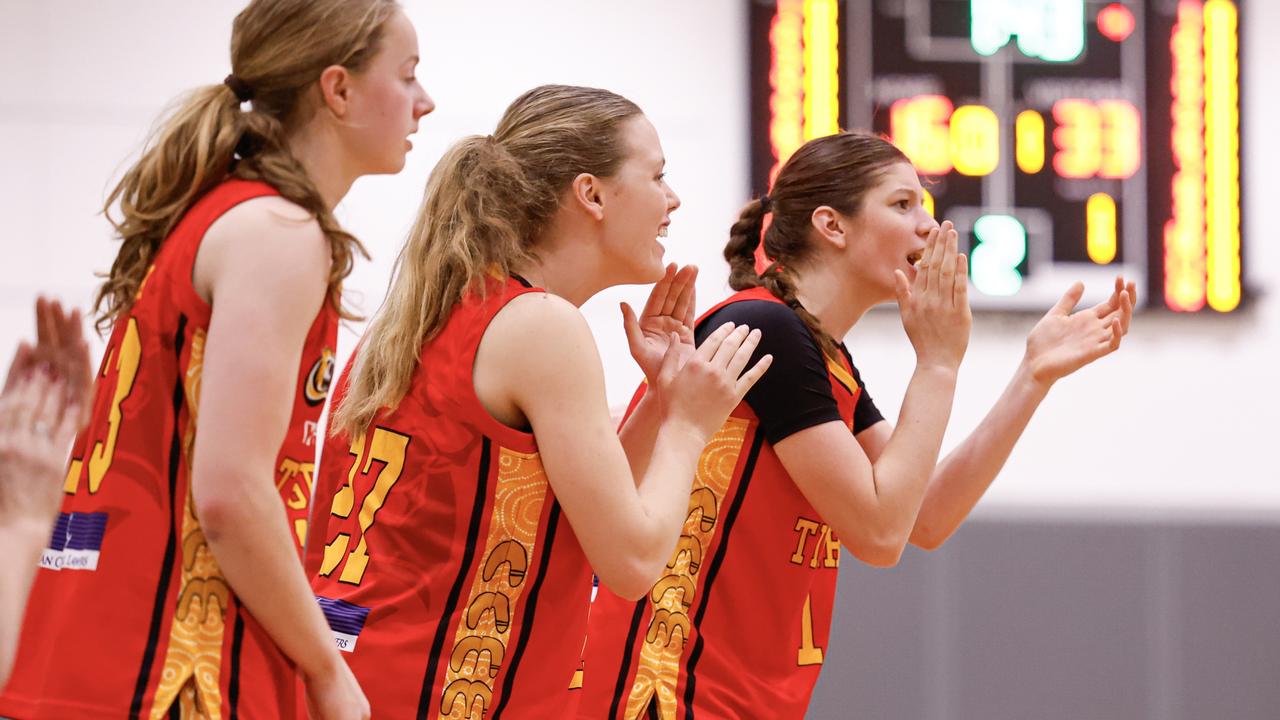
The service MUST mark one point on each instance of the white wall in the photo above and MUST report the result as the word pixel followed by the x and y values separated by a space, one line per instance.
pixel 1181 419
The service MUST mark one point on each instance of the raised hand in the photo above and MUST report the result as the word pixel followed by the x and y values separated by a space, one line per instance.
pixel 1065 341
pixel 668 311
pixel 60 352
pixel 935 307
pixel 706 387
pixel 37 424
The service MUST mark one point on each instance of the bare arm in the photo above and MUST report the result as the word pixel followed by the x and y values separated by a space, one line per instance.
pixel 264 266
pixel 538 354
pixel 872 502
pixel 44 402
pixel 1061 343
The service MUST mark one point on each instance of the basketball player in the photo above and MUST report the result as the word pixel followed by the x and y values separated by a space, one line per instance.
pixel 473 470
pixel 173 585
pixel 737 626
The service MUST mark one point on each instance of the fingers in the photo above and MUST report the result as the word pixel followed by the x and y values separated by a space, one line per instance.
pixel 709 346
pixel 1116 334
pixel 658 295
pixel 947 268
pixel 922 267
pixel 631 326
pixel 749 378
pixel 687 299
pixel 960 296
pixel 934 255
pixel 743 354
pixel 902 288
pixel 22 365
pixel 730 346
pixel 1126 312
pixel 670 361
pixel 1069 300
pixel 681 286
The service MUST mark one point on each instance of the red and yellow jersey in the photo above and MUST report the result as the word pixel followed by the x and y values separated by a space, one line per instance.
pixel 439 554
pixel 130 615
pixel 737 626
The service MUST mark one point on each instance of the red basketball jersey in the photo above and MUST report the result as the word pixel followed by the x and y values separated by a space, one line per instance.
pixel 736 627
pixel 130 615
pixel 439 554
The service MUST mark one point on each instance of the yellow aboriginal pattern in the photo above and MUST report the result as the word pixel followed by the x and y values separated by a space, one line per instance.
pixel 193 660
pixel 671 599
pixel 480 644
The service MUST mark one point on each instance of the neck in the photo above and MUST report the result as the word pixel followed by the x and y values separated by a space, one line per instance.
pixel 567 262
pixel 326 167
pixel 832 298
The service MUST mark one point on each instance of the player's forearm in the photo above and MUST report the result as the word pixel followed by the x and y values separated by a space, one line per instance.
pixel 23 540
pixel 247 531
pixel 639 433
pixel 663 493
pixel 962 478
pixel 902 471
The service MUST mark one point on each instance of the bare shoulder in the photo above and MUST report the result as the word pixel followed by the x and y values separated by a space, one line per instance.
pixel 271 223
pixel 265 237
pixel 540 332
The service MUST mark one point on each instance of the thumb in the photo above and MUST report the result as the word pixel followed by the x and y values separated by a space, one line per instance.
pixel 901 288
pixel 630 325
pixel 1069 300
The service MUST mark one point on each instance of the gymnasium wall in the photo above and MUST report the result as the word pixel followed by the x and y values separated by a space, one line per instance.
pixel 1178 429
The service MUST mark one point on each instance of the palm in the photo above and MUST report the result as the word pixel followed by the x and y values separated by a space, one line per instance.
pixel 667 317
pixel 1064 341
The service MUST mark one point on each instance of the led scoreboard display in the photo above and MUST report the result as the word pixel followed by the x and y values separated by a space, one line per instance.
pixel 1067 139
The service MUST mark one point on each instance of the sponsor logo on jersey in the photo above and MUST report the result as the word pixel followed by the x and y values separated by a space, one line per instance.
pixel 76 542
pixel 316 388
pixel 345 620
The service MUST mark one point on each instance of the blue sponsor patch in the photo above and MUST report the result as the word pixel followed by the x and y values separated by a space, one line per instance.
pixel 345 620
pixel 76 542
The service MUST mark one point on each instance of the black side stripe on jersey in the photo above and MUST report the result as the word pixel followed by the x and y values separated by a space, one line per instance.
pixel 624 672
pixel 526 625
pixel 455 593
pixel 237 642
pixel 747 471
pixel 171 545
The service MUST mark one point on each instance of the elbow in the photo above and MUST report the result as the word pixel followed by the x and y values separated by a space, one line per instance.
pixel 880 557
pixel 217 515
pixel 881 550
pixel 928 536
pixel 628 583
pixel 633 576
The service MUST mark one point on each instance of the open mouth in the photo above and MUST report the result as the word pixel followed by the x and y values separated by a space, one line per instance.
pixel 913 259
pixel 662 231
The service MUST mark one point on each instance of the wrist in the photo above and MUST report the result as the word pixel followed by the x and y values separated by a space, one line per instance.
pixel 1031 378
pixel 321 665
pixel 940 369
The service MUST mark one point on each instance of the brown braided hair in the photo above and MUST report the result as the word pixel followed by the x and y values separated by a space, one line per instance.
pixel 834 171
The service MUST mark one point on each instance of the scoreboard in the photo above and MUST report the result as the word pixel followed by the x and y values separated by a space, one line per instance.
pixel 1066 139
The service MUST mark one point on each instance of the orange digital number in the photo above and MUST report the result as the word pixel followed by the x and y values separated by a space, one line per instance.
pixel 387 447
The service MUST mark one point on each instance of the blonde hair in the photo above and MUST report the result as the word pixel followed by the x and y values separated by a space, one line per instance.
pixel 487 199
pixel 278 50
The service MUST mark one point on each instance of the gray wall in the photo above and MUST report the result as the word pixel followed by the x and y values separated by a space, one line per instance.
pixel 1053 618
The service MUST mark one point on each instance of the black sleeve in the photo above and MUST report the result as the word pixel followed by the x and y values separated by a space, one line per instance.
pixel 795 393
pixel 865 413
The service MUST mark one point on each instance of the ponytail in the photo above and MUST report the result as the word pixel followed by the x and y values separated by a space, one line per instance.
pixel 745 236
pixel 278 50
pixel 474 220
pixel 486 202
